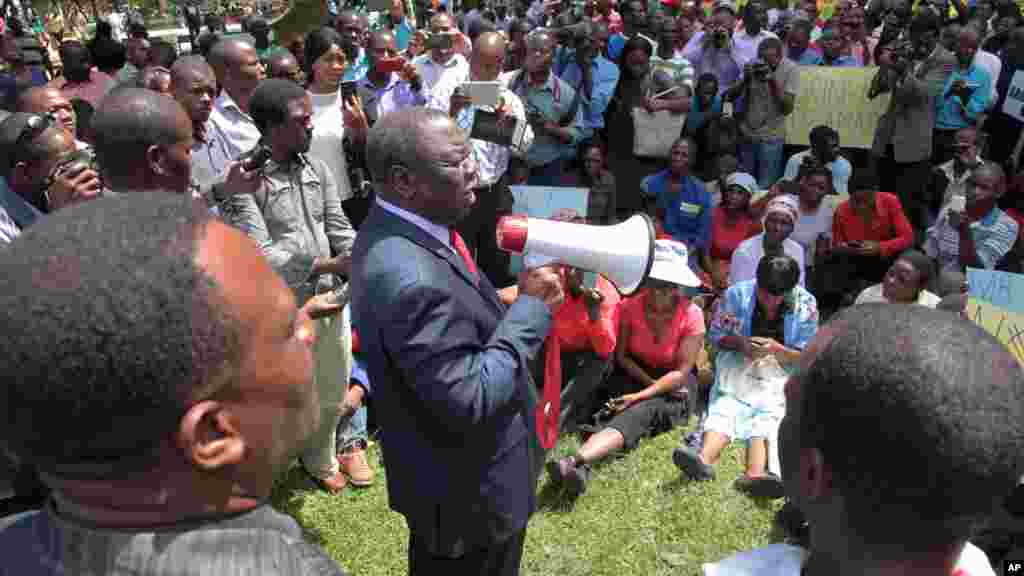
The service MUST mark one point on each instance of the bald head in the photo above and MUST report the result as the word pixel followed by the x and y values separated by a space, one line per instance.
pixel 489 43
pixel 440 21
pixel 488 57
pixel 228 53
pixel 127 125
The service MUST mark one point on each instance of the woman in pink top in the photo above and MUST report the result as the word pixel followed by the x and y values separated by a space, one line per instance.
pixel 660 335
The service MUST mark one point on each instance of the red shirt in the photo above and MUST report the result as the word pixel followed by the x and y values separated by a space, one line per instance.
pixel 725 236
pixel 574 329
pixel 889 227
pixel 688 321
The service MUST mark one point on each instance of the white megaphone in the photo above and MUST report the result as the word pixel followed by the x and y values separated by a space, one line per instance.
pixel 623 253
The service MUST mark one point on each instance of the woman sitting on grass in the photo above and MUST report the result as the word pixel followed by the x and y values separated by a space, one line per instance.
pixel 660 336
pixel 760 328
pixel 904 283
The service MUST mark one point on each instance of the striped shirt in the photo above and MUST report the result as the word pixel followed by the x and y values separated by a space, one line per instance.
pixel 994 236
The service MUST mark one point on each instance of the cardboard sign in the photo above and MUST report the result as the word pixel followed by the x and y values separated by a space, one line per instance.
pixel 838 98
pixel 545 202
pixel 1014 104
pixel 995 301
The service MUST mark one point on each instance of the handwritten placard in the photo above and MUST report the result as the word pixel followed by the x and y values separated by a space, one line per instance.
pixel 836 97
pixel 995 301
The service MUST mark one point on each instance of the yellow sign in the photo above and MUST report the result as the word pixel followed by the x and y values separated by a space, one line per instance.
pixel 838 98
pixel 996 303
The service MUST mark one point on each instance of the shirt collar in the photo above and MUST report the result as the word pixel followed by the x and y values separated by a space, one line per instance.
pixel 441 233
pixel 226 102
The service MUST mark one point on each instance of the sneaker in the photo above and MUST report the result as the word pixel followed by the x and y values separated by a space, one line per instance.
pixel 355 466
pixel 767 486
pixel 690 463
pixel 564 472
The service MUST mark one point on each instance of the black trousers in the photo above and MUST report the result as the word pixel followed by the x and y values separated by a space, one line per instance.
pixel 909 181
pixel 498 559
pixel 478 231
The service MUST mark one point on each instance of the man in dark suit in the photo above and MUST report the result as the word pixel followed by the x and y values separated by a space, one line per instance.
pixel 455 399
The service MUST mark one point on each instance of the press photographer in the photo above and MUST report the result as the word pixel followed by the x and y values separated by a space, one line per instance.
pixel 713 50
pixel 768 88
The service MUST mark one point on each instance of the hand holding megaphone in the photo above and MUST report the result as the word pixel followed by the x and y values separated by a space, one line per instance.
pixel 544 283
pixel 623 253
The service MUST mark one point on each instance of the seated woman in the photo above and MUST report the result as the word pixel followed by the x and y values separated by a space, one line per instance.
pixel 661 334
pixel 904 283
pixel 682 198
pixel 868 231
pixel 780 217
pixel 593 173
pixel 731 224
pixel 760 328
pixel 814 228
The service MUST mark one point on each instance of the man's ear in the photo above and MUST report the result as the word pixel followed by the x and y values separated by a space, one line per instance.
pixel 815 475
pixel 402 181
pixel 20 176
pixel 210 437
pixel 156 159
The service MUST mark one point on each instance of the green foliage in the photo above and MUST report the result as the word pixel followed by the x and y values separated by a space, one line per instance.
pixel 637 517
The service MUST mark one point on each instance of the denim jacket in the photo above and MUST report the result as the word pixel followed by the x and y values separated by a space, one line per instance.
pixel 295 218
pixel 735 312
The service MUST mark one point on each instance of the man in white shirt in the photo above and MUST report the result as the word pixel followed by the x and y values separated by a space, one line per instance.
pixel 493 195
pixel 442 68
pixel 238 71
pixel 928 398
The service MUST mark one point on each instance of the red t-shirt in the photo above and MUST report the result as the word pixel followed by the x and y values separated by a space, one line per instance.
pixel 890 227
pixel 688 321
pixel 574 329
pixel 726 236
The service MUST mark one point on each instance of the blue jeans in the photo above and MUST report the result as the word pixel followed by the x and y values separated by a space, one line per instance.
pixel 352 430
pixel 763 161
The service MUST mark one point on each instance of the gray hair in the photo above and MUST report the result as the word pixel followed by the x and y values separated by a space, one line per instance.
pixel 396 139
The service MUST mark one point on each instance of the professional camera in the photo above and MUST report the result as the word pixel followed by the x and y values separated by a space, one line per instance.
pixel 762 72
pixel 721 38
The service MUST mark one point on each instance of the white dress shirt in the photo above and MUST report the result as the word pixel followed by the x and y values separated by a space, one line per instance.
pixel 442 233
pixel 440 80
pixel 234 127
pixel 492 159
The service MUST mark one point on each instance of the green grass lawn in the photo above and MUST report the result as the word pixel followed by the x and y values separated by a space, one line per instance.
pixel 637 517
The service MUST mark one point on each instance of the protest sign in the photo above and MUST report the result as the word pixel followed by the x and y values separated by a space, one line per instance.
pixel 1014 104
pixel 995 301
pixel 836 97
pixel 545 202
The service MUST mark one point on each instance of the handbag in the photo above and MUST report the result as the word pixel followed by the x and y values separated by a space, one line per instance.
pixel 654 134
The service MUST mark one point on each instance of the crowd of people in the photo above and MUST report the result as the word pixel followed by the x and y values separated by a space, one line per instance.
pixel 335 271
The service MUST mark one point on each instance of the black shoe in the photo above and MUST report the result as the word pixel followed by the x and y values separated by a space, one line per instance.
pixel 768 486
pixel 690 463
pixel 793 523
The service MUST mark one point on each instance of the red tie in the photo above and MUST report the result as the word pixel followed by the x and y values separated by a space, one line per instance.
pixel 460 248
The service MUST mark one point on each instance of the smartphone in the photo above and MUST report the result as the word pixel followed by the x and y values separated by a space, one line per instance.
pixel 390 65
pixel 348 89
pixel 256 158
pixel 482 93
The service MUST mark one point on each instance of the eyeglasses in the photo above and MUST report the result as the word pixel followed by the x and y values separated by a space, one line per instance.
pixel 34 126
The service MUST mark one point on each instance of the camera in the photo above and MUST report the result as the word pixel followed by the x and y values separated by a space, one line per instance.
pixel 762 72
pixel 256 158
pixel 721 38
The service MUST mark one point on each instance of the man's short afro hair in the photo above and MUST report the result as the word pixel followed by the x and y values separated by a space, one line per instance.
pixel 920 416
pixel 113 331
